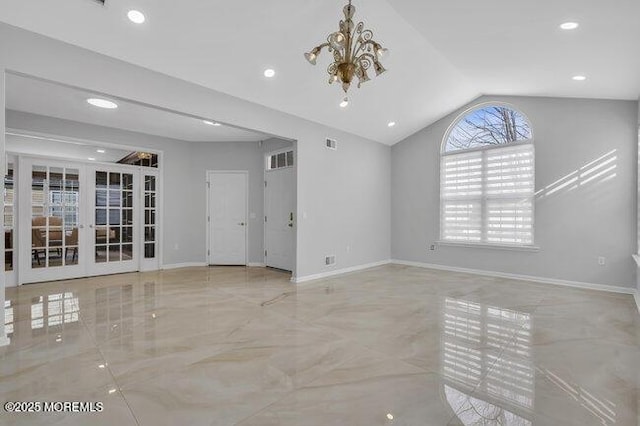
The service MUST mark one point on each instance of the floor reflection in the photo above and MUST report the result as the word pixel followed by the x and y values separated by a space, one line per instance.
pixel 482 385
pixel 54 309
pixel 8 318
pixel 602 409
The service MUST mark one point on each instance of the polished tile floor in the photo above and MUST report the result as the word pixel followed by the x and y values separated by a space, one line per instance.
pixel 393 345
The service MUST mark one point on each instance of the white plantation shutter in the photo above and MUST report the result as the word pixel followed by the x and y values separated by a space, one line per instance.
pixel 487 195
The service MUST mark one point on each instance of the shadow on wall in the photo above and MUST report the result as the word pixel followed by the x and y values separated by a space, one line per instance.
pixel 594 173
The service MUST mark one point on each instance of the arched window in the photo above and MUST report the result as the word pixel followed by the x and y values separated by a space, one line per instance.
pixel 487 178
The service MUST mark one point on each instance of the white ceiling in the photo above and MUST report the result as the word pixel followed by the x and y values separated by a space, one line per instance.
pixel 443 54
pixel 44 98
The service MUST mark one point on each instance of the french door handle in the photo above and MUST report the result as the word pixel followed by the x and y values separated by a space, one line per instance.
pixel 90 226
pixel 81 226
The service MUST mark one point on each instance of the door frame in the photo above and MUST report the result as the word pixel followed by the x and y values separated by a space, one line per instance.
pixel 159 171
pixel 209 246
pixel 295 202
pixel 96 143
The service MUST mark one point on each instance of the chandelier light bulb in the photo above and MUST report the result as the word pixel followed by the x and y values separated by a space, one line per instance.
pixel 344 103
pixel 311 57
pixel 337 40
pixel 382 52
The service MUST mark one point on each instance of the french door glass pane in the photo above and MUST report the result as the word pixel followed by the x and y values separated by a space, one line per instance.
pixel 55 211
pixel 150 217
pixel 114 217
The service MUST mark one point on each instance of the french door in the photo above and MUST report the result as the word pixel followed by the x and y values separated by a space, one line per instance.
pixel 80 220
pixel 113 226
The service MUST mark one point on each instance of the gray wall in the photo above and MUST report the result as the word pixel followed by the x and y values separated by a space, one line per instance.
pixel 185 166
pixel 335 204
pixel 572 227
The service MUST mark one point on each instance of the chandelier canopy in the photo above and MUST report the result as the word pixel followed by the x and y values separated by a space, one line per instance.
pixel 354 52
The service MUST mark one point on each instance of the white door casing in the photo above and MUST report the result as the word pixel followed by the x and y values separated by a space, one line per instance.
pixel 227 217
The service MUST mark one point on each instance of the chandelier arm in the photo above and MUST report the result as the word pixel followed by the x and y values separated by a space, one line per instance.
pixel 322 46
pixel 362 46
pixel 369 56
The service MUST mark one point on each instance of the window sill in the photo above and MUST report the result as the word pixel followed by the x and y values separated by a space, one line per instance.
pixel 489 246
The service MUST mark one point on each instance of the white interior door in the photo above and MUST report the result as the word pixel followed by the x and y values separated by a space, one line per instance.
pixel 113 240
pixel 228 218
pixel 279 218
pixel 52 220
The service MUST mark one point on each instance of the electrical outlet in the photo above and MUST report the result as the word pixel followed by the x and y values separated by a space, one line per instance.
pixel 602 261
pixel 432 247
pixel 176 247
pixel 348 249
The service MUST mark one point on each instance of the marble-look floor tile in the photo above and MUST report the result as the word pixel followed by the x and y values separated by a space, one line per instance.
pixel 368 390
pixel 234 345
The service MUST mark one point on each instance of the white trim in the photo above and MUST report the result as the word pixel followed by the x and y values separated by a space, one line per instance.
pixel 256 265
pixel 542 280
pixel 636 258
pixel 636 297
pixel 356 268
pixel 183 265
pixel 488 246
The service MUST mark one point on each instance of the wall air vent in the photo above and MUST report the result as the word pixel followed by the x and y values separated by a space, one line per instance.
pixel 332 144
pixel 330 260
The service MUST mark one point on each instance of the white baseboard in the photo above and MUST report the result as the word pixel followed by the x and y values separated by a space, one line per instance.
pixel 636 296
pixel 184 265
pixel 256 265
pixel 544 280
pixel 335 272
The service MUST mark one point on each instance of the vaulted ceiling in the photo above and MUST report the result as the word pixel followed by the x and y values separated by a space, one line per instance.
pixel 443 54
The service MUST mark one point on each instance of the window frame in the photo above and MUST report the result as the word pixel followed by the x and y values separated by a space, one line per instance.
pixel 443 154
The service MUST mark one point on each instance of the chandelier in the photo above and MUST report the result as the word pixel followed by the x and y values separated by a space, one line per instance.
pixel 354 53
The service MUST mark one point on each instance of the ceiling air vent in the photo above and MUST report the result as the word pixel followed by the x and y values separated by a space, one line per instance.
pixel 332 144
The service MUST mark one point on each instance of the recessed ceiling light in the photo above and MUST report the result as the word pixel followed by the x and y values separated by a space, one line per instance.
pixel 269 73
pixel 136 16
pixel 344 103
pixel 91 159
pixel 211 123
pixel 102 103
pixel 100 151
pixel 569 25
pixel 391 123
pixel 390 416
pixel 579 78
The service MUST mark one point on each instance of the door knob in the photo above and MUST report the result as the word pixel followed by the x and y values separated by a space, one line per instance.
pixel 241 224
pixel 291 225
pixel 81 226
